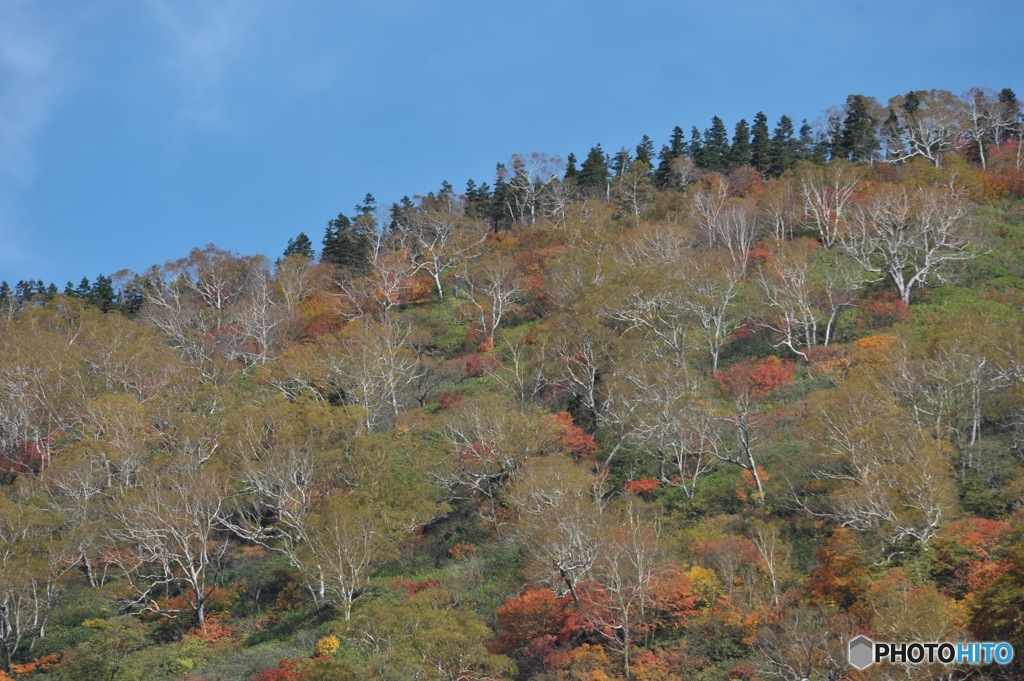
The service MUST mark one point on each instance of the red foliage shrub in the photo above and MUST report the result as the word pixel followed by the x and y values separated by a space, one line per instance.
pixel 882 311
pixel 412 588
pixel 574 439
pixel 674 598
pixel 841 576
pixel 215 630
pixel 729 550
pixel 642 486
pixel 965 554
pixel 419 290
pixel 449 399
pixel 742 672
pixel 463 550
pixel 482 365
pixel 981 536
pixel 534 657
pixel 287 670
pixel 756 378
pixel 40 664
pixel 759 255
pixel 534 614
pixel 25 459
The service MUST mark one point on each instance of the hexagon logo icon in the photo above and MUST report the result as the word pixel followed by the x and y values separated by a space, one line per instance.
pixel 862 652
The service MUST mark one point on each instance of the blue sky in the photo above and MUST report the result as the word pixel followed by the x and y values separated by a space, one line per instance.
pixel 133 130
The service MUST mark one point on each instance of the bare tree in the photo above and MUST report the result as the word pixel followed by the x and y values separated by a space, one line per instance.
pixel 215 307
pixel 167 536
pixel 736 439
pixel 492 286
pixel 438 236
pixel 781 206
pixel 627 570
pixel 559 506
pixel 261 315
pixel 706 208
pixel 30 571
pixel 775 554
pixel 910 236
pixel 893 481
pixel 993 119
pixel 711 289
pixel 383 289
pixel 806 290
pixel 373 363
pixel 287 456
pixel 634 189
pixel 802 645
pixel 352 533
pixel 663 413
pixel 533 178
pixel 490 443
pixel 925 123
pixel 826 193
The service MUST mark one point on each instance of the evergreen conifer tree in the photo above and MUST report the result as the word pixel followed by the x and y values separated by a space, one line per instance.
pixel 857 138
pixel 783 149
pixel 478 200
pixel 664 171
pixel 716 149
pixel 401 213
pixel 369 204
pixel 102 293
pixel 500 219
pixel 675 148
pixel 677 142
pixel 594 170
pixel 739 152
pixel 621 162
pixel 346 246
pixel 892 132
pixel 645 151
pixel 300 245
pixel 808 146
pixel 571 171
pixel 695 147
pixel 760 144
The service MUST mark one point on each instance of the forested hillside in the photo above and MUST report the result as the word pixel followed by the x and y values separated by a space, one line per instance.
pixel 703 412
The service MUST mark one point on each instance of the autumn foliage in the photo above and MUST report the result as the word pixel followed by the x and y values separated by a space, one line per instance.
pixel 697 413
pixel 756 378
pixel 533 614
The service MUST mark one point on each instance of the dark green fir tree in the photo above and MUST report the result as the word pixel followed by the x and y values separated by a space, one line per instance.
pixel 760 144
pixel 346 246
pixel 571 171
pixel 645 151
pixel 857 138
pixel 783 149
pixel 102 293
pixel 739 152
pixel 594 170
pixel 716 150
pixel 300 245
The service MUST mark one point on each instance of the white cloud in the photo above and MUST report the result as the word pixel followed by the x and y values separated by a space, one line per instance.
pixel 206 43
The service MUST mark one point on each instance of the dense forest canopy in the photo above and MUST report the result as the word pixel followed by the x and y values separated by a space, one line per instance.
pixel 707 411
